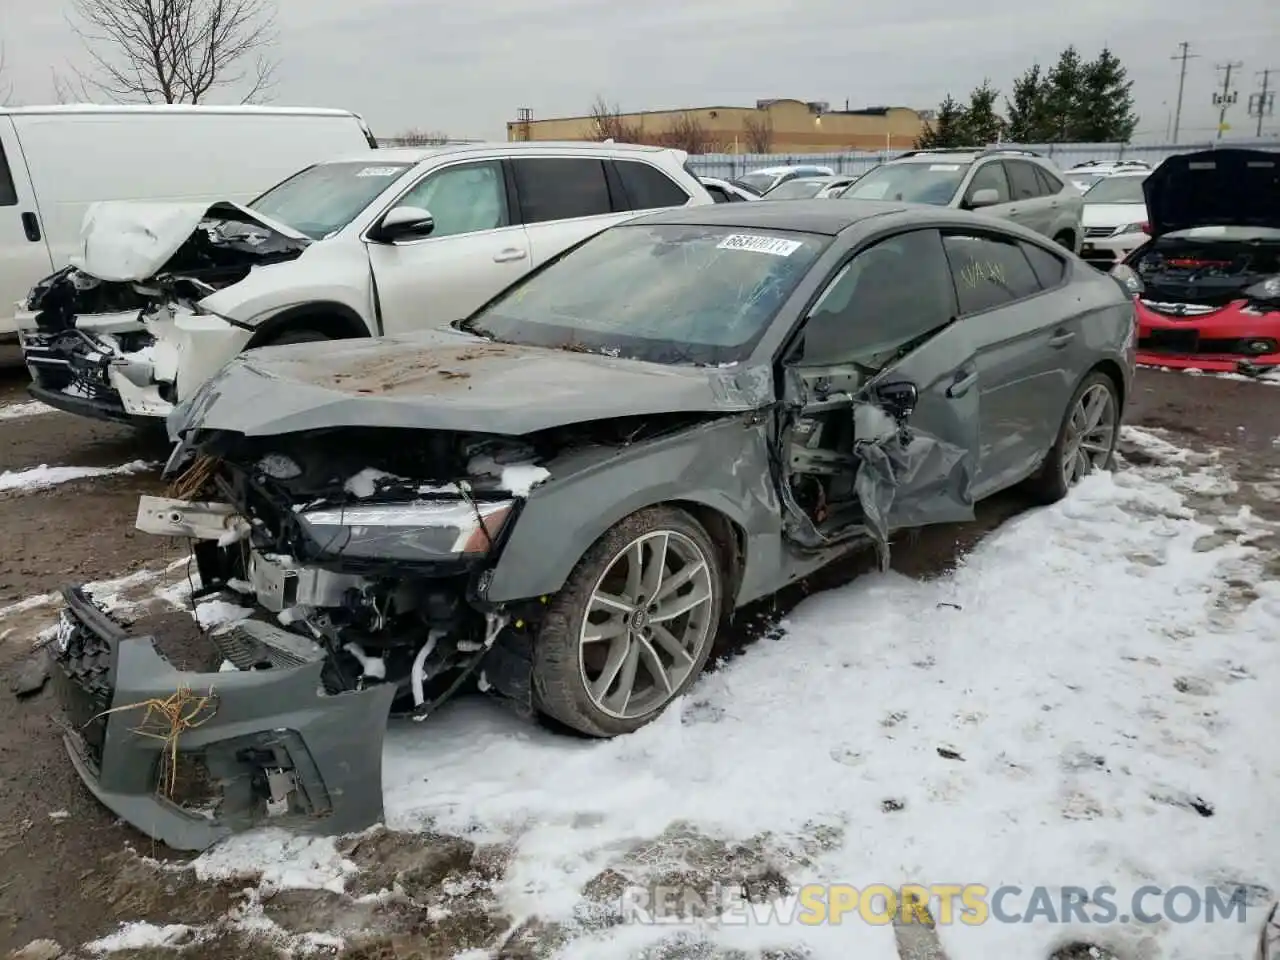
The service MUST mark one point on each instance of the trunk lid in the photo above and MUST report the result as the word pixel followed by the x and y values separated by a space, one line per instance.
pixel 1218 188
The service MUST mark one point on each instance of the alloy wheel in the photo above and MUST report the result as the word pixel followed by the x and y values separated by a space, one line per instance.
pixel 1091 434
pixel 648 620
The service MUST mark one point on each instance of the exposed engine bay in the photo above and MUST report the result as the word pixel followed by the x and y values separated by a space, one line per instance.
pixel 361 547
pixel 1202 271
pixel 75 357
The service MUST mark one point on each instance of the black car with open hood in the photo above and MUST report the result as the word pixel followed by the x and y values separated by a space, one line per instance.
pixel 1214 188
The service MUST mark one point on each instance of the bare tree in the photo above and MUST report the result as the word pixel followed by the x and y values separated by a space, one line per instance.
pixel 688 133
pixel 758 133
pixel 415 137
pixel 173 51
pixel 610 123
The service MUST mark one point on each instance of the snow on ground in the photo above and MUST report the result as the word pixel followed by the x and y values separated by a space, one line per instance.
pixel 1270 377
pixel 43 476
pixel 1052 713
pixel 141 936
pixel 29 408
pixel 168 586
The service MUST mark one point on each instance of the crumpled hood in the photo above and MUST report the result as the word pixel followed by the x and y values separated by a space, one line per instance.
pixel 449 380
pixel 1214 188
pixel 127 240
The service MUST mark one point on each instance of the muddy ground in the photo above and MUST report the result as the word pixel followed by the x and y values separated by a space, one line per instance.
pixel 69 873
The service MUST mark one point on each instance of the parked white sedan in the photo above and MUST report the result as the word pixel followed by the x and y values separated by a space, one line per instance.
pixel 1114 218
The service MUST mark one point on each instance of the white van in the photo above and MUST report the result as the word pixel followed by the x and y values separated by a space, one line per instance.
pixel 57 161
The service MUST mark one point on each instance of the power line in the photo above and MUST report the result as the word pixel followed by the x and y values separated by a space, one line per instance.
pixel 1228 96
pixel 1184 55
pixel 1262 103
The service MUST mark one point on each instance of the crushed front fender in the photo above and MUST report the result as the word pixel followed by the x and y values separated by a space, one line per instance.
pixel 251 748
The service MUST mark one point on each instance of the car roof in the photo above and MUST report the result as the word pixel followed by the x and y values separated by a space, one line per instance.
pixel 418 154
pixel 1126 172
pixel 830 217
pixel 825 217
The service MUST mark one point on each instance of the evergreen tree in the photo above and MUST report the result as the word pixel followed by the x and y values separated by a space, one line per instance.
pixel 1061 101
pixel 1105 102
pixel 1026 111
pixel 947 128
pixel 982 125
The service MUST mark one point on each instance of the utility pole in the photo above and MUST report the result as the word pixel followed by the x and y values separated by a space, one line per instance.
pixel 1184 55
pixel 1262 104
pixel 1228 96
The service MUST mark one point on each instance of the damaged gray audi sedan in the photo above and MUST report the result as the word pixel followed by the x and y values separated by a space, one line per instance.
pixel 561 498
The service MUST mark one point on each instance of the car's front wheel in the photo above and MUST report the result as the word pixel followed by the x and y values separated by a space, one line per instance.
pixel 632 627
pixel 1086 440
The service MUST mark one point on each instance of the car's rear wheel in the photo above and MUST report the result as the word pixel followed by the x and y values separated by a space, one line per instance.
pixel 633 626
pixel 1086 440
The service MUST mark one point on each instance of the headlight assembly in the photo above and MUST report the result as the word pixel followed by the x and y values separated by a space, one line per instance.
pixel 422 531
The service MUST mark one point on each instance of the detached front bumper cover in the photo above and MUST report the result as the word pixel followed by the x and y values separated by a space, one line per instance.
pixel 258 747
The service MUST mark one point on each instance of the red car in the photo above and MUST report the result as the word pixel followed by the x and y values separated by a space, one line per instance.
pixel 1207 284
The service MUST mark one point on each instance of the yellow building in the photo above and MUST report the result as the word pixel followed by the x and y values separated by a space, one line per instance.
pixel 771 126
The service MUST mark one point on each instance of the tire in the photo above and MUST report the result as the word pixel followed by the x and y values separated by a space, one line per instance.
pixel 564 666
pixel 1050 484
pixel 1066 241
pixel 301 335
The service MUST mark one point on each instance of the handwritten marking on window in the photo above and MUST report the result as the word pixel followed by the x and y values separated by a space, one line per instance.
pixel 975 272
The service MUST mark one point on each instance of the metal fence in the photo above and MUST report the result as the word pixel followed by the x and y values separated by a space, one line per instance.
pixel 1065 155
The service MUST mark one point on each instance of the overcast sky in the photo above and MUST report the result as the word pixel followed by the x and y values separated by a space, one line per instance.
pixel 465 66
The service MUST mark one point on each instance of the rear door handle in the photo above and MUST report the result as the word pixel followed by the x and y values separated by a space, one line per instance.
pixel 31 227
pixel 1061 338
pixel 510 254
pixel 962 384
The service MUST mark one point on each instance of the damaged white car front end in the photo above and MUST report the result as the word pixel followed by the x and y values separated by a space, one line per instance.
pixel 128 329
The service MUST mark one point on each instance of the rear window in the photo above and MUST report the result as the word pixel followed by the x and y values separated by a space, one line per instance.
pixel 795 190
pixel 648 187
pixel 323 199
pixel 759 182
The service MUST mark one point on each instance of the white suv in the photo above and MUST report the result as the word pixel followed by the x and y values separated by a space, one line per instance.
pixel 385 243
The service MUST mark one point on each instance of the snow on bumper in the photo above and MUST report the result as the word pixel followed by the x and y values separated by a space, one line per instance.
pixel 257 747
pixel 1234 338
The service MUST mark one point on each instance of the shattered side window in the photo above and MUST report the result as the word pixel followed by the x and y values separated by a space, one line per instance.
pixel 889 294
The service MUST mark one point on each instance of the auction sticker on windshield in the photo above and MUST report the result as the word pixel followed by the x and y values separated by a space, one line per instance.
pixel 944 167
pixel 777 246
pixel 378 172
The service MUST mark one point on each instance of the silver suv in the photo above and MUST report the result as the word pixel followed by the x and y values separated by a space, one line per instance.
pixel 1018 185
